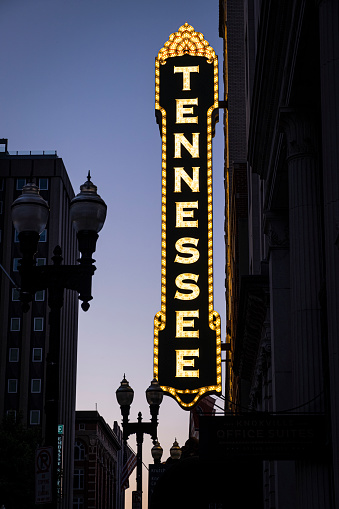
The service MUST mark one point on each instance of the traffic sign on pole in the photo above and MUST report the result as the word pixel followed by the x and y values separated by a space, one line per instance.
pixel 43 475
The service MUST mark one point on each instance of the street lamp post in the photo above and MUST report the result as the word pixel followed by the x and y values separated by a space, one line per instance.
pixel 30 215
pixel 154 396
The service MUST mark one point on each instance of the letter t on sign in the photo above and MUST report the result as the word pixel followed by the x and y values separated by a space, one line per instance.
pixel 186 72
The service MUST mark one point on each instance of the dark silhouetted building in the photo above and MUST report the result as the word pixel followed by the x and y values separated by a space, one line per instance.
pixel 282 225
pixel 24 338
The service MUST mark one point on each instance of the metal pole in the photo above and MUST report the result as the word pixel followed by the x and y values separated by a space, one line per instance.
pixel 52 397
pixel 140 439
pixel 55 302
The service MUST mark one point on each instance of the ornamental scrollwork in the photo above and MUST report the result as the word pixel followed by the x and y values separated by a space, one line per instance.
pixel 186 41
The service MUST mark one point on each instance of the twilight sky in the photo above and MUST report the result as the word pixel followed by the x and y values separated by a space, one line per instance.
pixel 78 77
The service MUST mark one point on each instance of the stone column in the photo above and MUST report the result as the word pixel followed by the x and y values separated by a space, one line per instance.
pixel 306 266
pixel 329 80
pixel 277 231
pixel 306 274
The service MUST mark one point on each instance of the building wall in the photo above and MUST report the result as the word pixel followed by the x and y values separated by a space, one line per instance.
pixel 236 223
pixel 50 170
pixel 284 331
pixel 97 466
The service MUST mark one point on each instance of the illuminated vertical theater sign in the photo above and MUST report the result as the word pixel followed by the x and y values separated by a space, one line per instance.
pixel 187 352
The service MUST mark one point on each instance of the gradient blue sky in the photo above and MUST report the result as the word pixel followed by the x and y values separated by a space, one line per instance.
pixel 78 77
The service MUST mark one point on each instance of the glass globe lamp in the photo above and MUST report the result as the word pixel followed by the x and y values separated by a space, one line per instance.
pixel 30 211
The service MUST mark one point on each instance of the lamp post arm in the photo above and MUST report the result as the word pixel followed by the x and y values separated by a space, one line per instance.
pixel 57 277
pixel 139 429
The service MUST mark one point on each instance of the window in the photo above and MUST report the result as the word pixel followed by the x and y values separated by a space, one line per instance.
pixel 13 385
pixel 43 236
pixel 15 294
pixel 16 236
pixel 15 324
pixel 15 264
pixel 20 183
pixel 78 479
pixel 78 503
pixel 37 355
pixel 43 184
pixel 36 385
pixel 34 417
pixel 14 355
pixel 11 413
pixel 40 295
pixel 79 451
pixel 40 261
pixel 38 324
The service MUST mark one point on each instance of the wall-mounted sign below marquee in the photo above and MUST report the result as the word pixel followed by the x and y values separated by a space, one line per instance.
pixel 187 351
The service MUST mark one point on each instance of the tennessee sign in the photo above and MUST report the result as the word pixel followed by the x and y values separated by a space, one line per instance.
pixel 187 351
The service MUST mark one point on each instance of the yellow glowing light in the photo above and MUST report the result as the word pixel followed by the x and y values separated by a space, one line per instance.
pixel 182 362
pixel 191 251
pixel 181 214
pixel 182 324
pixel 186 75
pixel 191 287
pixel 182 110
pixel 187 41
pixel 192 148
pixel 193 183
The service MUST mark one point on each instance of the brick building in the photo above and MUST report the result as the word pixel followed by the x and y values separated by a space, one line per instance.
pixel 97 463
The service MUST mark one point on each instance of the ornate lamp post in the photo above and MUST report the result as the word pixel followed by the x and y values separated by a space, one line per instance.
pixel 154 396
pixel 30 215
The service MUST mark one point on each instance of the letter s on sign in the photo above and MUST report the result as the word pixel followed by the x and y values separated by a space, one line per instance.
pixel 191 287
pixel 191 251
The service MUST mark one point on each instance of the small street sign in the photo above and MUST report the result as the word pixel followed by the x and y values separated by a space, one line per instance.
pixel 136 499
pixel 43 475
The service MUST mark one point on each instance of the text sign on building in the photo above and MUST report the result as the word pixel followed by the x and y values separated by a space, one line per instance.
pixel 60 459
pixel 187 352
pixel 263 436
pixel 154 473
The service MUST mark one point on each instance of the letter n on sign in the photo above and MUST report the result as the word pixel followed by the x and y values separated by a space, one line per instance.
pixel 187 352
